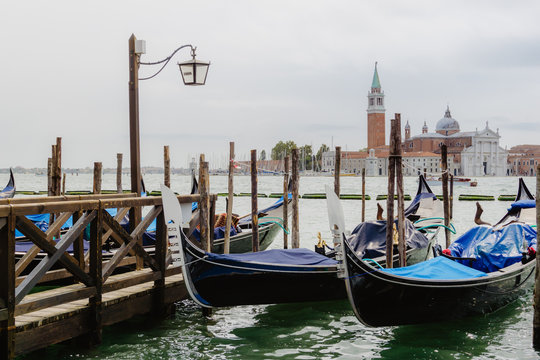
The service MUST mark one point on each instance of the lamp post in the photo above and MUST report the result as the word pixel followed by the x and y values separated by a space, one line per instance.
pixel 193 73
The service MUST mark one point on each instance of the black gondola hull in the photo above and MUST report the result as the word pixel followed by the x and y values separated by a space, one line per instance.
pixel 381 299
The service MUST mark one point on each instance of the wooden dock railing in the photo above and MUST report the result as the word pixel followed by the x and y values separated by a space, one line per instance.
pixel 88 276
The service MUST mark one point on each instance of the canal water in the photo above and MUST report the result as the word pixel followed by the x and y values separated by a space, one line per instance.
pixel 324 330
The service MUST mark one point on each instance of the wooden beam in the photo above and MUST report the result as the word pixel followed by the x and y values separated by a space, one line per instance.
pixel 390 199
pixel 295 238
pixel 62 245
pixel 230 196
pixel 337 170
pixel 446 201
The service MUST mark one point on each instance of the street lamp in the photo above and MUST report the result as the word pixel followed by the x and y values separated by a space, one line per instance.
pixel 193 73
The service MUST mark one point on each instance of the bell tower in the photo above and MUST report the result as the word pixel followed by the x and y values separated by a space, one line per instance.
pixel 376 113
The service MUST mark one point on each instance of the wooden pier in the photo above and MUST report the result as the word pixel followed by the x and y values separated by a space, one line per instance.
pixel 95 292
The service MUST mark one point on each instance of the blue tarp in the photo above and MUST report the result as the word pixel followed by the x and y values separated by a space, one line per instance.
pixel 494 249
pixel 439 268
pixel 277 256
pixel 522 204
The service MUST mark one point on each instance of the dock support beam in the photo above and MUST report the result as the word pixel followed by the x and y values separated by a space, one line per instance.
pixel 7 287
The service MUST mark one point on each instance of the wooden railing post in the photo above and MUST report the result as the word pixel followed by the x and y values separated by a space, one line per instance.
pixel 96 265
pixel 285 201
pixel 78 244
pixel 254 207
pixel 7 287
pixel 295 237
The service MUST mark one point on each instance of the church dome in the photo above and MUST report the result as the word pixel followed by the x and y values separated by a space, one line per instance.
pixel 447 123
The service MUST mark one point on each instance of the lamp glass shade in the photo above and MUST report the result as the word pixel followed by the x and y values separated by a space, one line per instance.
pixel 194 72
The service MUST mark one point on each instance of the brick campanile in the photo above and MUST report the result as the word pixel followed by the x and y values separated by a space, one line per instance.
pixel 376 113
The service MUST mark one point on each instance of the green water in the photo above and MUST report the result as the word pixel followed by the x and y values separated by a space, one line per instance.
pixel 326 330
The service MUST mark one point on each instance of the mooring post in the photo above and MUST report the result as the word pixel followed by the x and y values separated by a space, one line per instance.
pixel 390 198
pixel 119 173
pixel 63 183
pixel 295 237
pixel 49 177
pixel 337 170
pixel 166 166
pixel 451 196
pixel 96 188
pixel 400 201
pixel 446 202
pixel 230 196
pixel 58 167
pixel 204 205
pixel 363 194
pixel 95 267
pixel 536 316
pixel 7 286
pixel 285 201
pixel 254 209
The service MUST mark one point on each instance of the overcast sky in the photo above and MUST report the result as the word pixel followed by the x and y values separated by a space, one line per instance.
pixel 281 70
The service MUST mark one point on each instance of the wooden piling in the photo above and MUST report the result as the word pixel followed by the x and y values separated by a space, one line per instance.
pixel 400 201
pixel 230 196
pixel 536 300
pixel 119 173
pixel 363 194
pixel 58 167
pixel 446 202
pixel 390 198
pixel 166 166
pixel 337 170
pixel 285 201
pixel 204 205
pixel 451 196
pixel 63 183
pixel 254 208
pixel 96 188
pixel 295 236
pixel 49 177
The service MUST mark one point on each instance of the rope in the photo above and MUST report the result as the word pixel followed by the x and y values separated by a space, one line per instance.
pixel 194 261
pixel 373 261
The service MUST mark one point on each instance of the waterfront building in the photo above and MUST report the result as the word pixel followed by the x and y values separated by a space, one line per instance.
pixel 523 160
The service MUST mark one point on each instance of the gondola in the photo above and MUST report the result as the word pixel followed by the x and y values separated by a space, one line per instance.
pixel 450 286
pixel 266 277
pixel 9 190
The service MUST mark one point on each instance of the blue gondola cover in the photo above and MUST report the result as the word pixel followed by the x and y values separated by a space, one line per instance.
pixel 492 248
pixel 277 256
pixel 439 268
